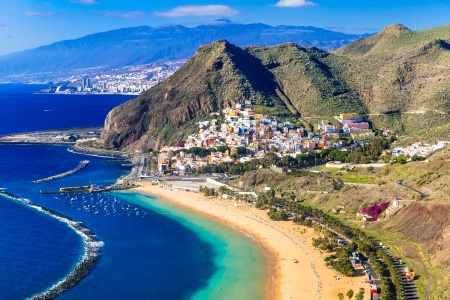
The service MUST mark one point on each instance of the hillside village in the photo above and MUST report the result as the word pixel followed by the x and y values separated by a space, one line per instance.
pixel 240 127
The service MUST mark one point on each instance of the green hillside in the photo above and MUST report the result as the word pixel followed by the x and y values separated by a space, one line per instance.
pixel 399 69
pixel 308 80
pixel 392 39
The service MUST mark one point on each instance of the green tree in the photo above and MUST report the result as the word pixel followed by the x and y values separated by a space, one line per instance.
pixel 386 158
pixel 350 294
pixel 288 160
pixel 361 293
pixel 340 296
pixel 417 158
pixel 222 148
pixel 401 159
pixel 277 215
pixel 225 190
pixel 241 150
pixel 365 159
pixel 234 156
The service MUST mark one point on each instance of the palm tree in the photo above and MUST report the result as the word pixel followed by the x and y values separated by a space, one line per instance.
pixel 223 189
pixel 340 296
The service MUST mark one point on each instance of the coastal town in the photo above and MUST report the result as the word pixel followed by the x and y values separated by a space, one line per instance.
pixel 253 135
pixel 240 135
pixel 130 80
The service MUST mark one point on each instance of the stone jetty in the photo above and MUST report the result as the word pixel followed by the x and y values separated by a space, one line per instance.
pixel 83 164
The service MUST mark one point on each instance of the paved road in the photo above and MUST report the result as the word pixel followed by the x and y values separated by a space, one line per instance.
pixel 409 285
pixel 400 183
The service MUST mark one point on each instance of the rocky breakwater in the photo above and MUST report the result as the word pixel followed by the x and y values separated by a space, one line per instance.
pixel 83 164
pixel 91 254
pixel 84 148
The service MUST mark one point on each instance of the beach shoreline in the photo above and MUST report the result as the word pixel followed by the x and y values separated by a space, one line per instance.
pixel 282 243
pixel 264 246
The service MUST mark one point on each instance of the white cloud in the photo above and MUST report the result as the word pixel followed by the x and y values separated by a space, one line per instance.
pixel 198 10
pixel 294 3
pixel 135 14
pixel 38 14
pixel 85 2
pixel 4 27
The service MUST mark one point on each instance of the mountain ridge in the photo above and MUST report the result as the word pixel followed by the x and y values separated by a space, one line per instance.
pixel 145 44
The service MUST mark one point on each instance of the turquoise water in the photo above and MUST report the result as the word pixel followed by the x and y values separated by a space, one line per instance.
pixel 242 268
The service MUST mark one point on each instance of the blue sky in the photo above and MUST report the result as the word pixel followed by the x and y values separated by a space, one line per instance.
pixel 26 24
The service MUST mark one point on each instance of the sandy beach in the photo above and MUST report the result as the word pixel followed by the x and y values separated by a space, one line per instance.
pixel 310 278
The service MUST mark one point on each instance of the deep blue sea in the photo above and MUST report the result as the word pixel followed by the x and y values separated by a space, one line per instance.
pixel 150 251
pixel 22 110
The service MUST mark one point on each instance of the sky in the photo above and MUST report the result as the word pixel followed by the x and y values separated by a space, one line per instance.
pixel 26 24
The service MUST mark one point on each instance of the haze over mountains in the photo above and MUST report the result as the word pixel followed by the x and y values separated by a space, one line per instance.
pixel 144 44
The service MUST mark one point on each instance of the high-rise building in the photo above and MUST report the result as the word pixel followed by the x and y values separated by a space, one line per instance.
pixel 85 83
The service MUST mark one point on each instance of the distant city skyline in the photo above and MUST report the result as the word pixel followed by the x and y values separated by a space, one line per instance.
pixel 26 24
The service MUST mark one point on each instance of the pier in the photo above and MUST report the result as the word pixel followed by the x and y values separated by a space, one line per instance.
pixel 89 189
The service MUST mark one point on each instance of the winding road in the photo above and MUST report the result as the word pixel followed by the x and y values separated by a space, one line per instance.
pixel 400 183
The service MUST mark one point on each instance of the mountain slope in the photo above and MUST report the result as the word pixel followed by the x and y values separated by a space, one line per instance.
pixel 399 69
pixel 218 75
pixel 142 45
pixel 221 74
pixel 289 80
pixel 307 79
pixel 394 38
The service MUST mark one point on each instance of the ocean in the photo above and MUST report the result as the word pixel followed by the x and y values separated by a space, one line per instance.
pixel 150 249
